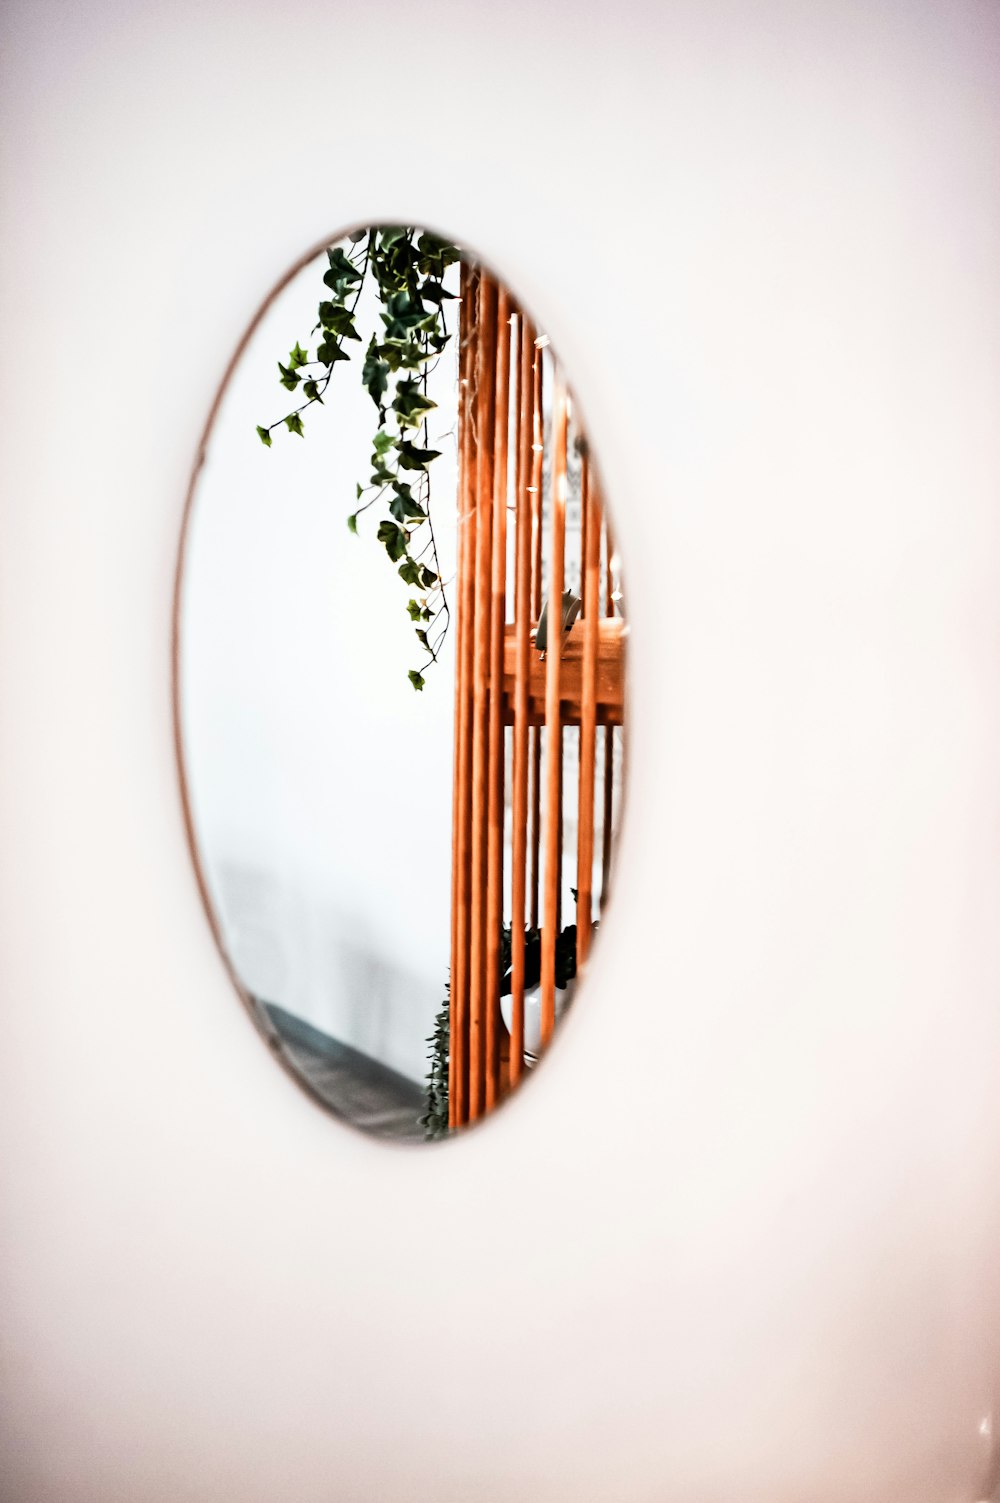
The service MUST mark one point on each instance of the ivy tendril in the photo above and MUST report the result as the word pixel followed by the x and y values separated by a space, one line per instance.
pixel 407 266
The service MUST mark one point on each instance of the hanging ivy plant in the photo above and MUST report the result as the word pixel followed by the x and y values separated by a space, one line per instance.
pixel 407 267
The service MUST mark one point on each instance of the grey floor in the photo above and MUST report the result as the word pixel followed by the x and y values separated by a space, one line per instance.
pixel 355 1087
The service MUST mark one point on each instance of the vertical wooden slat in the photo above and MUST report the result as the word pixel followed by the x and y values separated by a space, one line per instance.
pixel 498 604
pixel 537 460
pixel 553 729
pixel 560 744
pixel 584 524
pixel 536 607
pixel 609 739
pixel 458 1064
pixel 481 665
pixel 522 620
pixel 591 566
pixel 535 783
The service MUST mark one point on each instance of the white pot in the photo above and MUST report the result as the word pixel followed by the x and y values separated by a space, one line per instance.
pixel 533 1016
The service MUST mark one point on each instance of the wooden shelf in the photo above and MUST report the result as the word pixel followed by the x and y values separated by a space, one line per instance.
pixel 611 633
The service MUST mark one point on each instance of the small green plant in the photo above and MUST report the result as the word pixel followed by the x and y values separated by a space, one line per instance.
pixel 435 1119
pixel 407 266
pixel 565 958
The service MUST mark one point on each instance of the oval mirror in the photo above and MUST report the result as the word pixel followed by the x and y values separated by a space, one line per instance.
pixel 400 683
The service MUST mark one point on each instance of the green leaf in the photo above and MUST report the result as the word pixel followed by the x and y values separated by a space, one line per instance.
pixel 329 351
pixel 434 246
pixel 264 435
pixel 341 265
pixel 352 523
pixel 414 610
pixel 404 354
pixel 422 638
pixel 435 291
pixel 427 577
pixel 293 422
pixel 375 374
pixel 409 571
pixel 337 319
pixel 341 275
pixel 405 506
pixel 416 679
pixel 390 234
pixel 380 475
pixel 360 490
pixel 383 441
pixel 289 378
pixel 412 458
pixel 411 404
pixel 400 260
pixel 393 539
pixel 357 235
pixel 298 357
pixel 311 390
pixel 404 314
pixel 403 304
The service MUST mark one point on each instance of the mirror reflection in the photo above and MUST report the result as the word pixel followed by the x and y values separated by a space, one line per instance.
pixel 401 683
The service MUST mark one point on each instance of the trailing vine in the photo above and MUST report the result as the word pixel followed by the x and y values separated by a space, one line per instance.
pixel 407 267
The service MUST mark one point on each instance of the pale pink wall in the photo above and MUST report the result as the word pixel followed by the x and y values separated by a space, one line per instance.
pixel 740 1238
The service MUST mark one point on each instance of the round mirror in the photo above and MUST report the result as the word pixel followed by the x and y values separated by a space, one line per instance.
pixel 401 683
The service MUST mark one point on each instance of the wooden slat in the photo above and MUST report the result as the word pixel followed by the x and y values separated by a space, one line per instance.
pixel 498 604
pixel 609 739
pixel 537 458
pixel 560 839
pixel 458 1063
pixel 553 735
pixel 584 523
pixel 591 566
pixel 536 607
pixel 522 645
pixel 481 665
pixel 535 808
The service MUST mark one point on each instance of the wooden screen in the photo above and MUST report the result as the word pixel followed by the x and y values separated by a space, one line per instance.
pixel 522 454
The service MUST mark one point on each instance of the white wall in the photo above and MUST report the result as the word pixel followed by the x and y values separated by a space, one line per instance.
pixel 738 1238
pixel 320 781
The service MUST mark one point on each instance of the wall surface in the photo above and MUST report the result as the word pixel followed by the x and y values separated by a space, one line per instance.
pixel 739 1237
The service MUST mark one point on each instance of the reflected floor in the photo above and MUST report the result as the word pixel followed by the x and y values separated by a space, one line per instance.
pixel 355 1086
